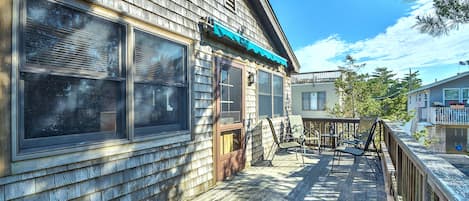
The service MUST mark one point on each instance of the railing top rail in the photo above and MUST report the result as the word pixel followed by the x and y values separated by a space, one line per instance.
pixel 448 179
pixel 321 76
pixel 333 119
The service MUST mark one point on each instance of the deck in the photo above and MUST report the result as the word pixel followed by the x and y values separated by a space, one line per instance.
pixel 289 180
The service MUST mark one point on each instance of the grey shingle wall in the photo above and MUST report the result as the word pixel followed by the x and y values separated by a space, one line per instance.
pixel 172 171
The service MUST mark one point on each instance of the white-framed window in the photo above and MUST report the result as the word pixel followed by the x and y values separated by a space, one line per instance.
pixel 270 94
pixel 313 101
pixel 456 96
pixel 72 83
pixel 465 95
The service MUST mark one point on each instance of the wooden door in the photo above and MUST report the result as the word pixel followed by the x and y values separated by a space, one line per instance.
pixel 229 116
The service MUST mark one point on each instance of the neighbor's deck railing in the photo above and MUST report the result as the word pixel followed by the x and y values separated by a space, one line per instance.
pixel 346 127
pixel 414 173
pixel 320 76
pixel 448 116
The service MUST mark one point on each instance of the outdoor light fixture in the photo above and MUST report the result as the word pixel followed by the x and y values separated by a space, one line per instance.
pixel 251 78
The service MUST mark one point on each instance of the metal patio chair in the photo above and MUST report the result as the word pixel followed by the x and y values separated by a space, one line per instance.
pixel 297 141
pixel 356 151
pixel 364 126
pixel 299 131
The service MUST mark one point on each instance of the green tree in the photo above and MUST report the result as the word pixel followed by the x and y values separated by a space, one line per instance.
pixel 382 80
pixel 354 92
pixel 411 81
pixel 449 14
pixel 379 94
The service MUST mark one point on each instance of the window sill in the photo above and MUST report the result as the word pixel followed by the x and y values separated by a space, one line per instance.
pixel 46 159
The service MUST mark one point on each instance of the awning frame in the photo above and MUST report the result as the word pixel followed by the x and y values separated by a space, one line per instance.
pixel 221 31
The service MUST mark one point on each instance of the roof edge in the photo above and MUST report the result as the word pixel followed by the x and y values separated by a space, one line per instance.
pixel 443 81
pixel 269 14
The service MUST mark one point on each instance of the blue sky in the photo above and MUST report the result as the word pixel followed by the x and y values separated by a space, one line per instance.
pixel 378 33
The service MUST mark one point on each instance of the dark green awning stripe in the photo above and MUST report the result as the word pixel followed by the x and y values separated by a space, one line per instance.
pixel 223 31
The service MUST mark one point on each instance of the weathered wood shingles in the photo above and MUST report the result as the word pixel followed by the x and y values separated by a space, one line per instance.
pixel 173 171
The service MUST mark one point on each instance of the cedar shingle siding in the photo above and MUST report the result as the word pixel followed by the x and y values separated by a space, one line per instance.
pixel 157 169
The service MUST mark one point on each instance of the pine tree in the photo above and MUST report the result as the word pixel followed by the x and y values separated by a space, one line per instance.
pixel 449 14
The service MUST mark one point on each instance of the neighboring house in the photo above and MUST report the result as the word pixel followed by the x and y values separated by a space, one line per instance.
pixel 314 93
pixel 136 100
pixel 443 107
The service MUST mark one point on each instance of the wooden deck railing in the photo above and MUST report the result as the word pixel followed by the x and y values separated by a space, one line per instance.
pixel 347 127
pixel 414 173
pixel 448 116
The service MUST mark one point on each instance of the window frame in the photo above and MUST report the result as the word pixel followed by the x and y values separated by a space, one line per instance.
pixel 317 101
pixel 187 86
pixel 462 96
pixel 274 96
pixel 459 95
pixel 126 45
pixel 271 76
pixel 25 146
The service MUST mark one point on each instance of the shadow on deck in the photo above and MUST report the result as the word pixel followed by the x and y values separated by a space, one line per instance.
pixel 289 180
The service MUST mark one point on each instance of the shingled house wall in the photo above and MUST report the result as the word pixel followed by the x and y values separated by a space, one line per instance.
pixel 171 168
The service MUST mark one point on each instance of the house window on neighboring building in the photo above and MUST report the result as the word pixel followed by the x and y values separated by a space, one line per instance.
pixel 465 96
pixel 270 97
pixel 230 5
pixel 70 77
pixel 451 96
pixel 313 101
pixel 160 90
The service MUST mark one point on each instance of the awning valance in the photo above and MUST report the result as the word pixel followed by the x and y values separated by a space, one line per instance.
pixel 222 31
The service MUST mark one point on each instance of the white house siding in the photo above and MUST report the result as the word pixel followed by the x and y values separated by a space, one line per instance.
pixel 438 136
pixel 154 169
pixel 332 98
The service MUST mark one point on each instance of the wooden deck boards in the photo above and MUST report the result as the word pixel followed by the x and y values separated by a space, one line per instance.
pixel 289 180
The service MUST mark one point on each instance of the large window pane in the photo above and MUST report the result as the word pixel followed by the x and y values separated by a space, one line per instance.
pixel 305 98
pixel 159 108
pixel 265 83
pixel 313 96
pixel 322 100
pixel 58 38
pixel 265 94
pixel 70 89
pixel 158 59
pixel 451 96
pixel 160 90
pixel 465 96
pixel 231 94
pixel 314 100
pixel 278 95
pixel 57 105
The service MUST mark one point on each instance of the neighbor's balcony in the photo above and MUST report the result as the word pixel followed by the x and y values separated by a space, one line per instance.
pixel 449 116
pixel 314 77
pixel 404 170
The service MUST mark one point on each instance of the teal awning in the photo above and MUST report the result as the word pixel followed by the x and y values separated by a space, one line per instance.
pixel 223 31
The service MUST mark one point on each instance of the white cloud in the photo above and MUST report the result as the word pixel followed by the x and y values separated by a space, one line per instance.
pixel 398 48
pixel 321 54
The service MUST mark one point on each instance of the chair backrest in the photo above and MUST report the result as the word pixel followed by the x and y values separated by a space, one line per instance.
pixel 364 127
pixel 296 126
pixel 370 136
pixel 272 129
